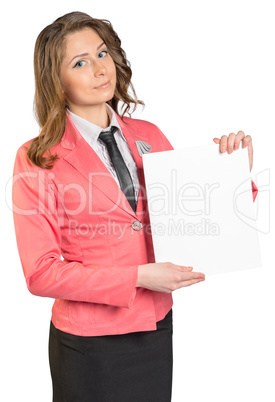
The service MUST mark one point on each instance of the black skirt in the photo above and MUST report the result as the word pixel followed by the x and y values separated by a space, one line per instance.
pixel 133 367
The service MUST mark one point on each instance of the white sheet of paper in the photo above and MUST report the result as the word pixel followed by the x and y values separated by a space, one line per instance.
pixel 201 209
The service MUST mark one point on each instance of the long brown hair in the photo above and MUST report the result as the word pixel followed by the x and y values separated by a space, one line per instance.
pixel 49 101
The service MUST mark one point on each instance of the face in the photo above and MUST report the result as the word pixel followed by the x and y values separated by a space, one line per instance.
pixel 86 66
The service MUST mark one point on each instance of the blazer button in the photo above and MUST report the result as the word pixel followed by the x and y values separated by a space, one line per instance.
pixel 137 225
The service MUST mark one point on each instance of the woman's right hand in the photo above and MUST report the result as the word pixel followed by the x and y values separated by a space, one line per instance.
pixel 166 276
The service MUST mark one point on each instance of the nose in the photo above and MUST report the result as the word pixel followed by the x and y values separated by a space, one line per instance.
pixel 99 68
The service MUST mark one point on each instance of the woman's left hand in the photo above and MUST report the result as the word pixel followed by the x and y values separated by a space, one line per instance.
pixel 233 142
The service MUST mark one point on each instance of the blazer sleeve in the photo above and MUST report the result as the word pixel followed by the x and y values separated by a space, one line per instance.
pixel 38 239
pixel 167 146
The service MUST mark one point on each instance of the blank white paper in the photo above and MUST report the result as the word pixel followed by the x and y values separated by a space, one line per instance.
pixel 201 209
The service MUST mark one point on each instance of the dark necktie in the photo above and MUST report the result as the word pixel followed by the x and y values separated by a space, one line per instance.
pixel 121 169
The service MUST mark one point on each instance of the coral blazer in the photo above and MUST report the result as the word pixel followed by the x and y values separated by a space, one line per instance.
pixel 79 240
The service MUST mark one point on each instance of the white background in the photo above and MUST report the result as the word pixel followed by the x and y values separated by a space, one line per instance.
pixel 203 69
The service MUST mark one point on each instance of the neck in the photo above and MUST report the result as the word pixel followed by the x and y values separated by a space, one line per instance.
pixel 96 114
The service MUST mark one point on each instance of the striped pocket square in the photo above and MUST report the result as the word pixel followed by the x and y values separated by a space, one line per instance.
pixel 143 147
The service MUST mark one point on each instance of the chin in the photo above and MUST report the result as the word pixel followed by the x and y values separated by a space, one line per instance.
pixel 110 95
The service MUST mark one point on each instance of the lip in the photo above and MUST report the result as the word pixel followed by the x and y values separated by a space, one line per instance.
pixel 105 85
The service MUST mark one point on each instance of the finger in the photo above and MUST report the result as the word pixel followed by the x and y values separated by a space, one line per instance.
pixel 230 142
pixel 223 143
pixel 246 141
pixel 216 140
pixel 250 148
pixel 239 137
pixel 186 272
pixel 192 275
pixel 184 268
pixel 190 282
pixel 250 153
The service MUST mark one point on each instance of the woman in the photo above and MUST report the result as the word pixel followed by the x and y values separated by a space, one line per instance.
pixel 79 192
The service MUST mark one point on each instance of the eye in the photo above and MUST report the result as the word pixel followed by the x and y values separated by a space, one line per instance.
pixel 103 51
pixel 79 63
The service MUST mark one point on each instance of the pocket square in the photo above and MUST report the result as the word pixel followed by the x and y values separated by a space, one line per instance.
pixel 143 147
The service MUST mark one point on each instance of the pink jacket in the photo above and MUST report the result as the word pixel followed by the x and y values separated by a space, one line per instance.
pixel 76 210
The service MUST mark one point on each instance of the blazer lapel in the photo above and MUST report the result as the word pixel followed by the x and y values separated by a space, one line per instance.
pixel 85 160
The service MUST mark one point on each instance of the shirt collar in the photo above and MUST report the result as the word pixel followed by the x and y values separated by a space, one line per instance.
pixel 91 131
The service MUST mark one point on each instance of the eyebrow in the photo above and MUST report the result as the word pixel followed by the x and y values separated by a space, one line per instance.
pixel 86 54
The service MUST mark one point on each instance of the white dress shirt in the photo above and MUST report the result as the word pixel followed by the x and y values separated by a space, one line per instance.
pixel 90 133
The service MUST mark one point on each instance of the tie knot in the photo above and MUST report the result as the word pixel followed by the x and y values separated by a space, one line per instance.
pixel 108 136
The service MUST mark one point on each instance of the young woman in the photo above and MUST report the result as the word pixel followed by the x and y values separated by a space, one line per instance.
pixel 82 222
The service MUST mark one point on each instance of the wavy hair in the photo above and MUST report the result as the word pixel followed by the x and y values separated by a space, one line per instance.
pixel 49 100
